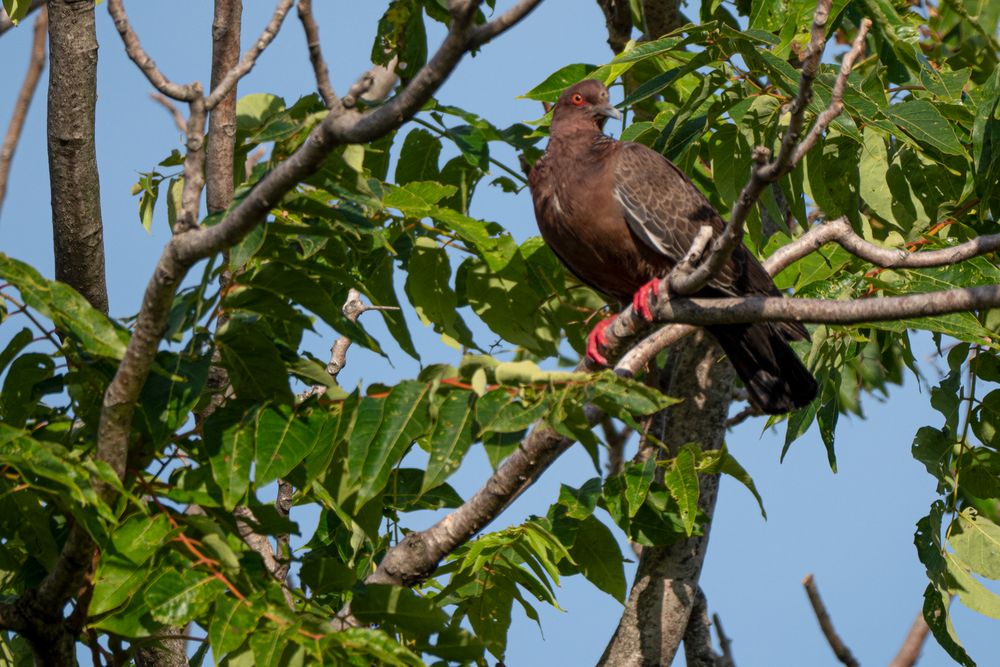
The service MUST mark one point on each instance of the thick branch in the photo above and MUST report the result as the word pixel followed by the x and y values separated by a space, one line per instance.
pixel 618 20
pixel 660 17
pixel 316 54
pixel 77 228
pixel 836 643
pixel 226 24
pixel 35 65
pixel 183 93
pixel 228 82
pixel 663 595
pixel 698 649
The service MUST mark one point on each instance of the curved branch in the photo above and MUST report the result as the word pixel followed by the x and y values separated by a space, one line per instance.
pixel 505 21
pixel 316 54
pixel 186 248
pixel 736 310
pixel 250 57
pixel 138 55
pixel 766 172
pixel 840 649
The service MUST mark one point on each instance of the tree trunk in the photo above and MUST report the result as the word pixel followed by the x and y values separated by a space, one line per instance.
pixel 77 230
pixel 666 583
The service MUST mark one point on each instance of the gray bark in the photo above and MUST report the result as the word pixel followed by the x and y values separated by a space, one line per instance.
pixel 666 584
pixel 77 230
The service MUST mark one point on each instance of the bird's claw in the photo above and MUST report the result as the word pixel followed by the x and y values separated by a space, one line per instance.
pixel 640 302
pixel 596 340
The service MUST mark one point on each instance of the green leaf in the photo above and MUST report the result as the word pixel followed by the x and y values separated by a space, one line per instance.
pixel 418 159
pixel 381 438
pixel 427 286
pixel 936 614
pixel 16 9
pixel 232 620
pixel 682 481
pixel 922 120
pixel 178 597
pixel 450 438
pixel 398 606
pixel 973 594
pixel 553 86
pixel 17 343
pixel 253 110
pixel 638 477
pixel 68 310
pixel 596 552
pixel 254 363
pixel 140 537
pixel 933 448
pixel 976 541
pixel 229 443
pixel 284 438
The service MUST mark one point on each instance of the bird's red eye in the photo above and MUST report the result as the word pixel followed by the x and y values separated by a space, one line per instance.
pixel 577 99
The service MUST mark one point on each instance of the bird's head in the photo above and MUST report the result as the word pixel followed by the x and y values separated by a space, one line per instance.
pixel 584 104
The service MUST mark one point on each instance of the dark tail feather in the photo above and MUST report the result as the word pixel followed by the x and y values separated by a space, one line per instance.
pixel 774 377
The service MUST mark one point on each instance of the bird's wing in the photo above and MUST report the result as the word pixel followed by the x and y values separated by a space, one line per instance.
pixel 662 206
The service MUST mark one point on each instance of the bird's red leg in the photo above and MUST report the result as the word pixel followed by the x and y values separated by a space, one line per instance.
pixel 596 340
pixel 640 302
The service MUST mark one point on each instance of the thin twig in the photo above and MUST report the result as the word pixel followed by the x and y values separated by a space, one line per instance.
pixel 373 85
pixel 320 69
pixel 250 57
pixel 133 47
pixel 765 171
pixel 826 625
pixel 909 652
pixel 36 64
pixel 172 109
pixel 837 102
pixel 724 642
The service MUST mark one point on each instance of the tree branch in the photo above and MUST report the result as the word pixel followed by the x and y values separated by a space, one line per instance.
pixel 77 229
pixel 663 594
pixel 184 249
pixel 316 54
pixel 836 643
pixel 226 25
pixel 766 172
pixel 909 652
pixel 182 93
pixel 172 109
pixel 36 64
pixel 618 20
pixel 698 650
pixel 228 82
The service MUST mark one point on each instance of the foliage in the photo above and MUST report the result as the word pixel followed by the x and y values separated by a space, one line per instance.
pixel 914 160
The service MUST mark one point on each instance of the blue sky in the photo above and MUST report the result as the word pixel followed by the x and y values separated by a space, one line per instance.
pixel 853 529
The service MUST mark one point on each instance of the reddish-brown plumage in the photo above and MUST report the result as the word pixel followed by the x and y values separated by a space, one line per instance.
pixel 619 214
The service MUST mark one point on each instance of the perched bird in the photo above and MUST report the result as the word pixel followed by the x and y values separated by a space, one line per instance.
pixel 620 216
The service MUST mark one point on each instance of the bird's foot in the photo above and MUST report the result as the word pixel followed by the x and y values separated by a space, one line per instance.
pixel 596 340
pixel 641 300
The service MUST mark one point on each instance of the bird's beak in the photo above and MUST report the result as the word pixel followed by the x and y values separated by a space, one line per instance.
pixel 608 111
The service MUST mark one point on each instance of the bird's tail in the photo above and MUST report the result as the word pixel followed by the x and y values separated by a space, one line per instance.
pixel 775 378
